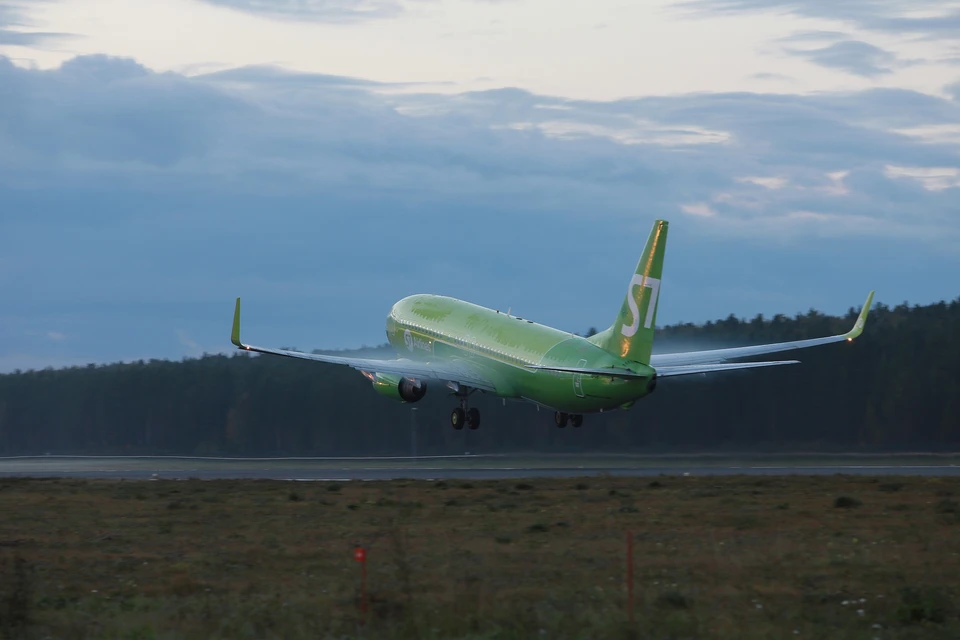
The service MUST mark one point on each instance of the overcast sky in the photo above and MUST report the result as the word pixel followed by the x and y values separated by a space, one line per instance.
pixel 324 158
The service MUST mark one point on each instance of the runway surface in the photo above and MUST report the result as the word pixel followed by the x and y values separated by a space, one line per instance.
pixel 473 467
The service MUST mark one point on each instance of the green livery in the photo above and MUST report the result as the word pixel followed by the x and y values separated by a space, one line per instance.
pixel 468 348
pixel 503 348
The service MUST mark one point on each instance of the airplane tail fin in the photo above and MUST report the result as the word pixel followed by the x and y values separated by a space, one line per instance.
pixel 631 335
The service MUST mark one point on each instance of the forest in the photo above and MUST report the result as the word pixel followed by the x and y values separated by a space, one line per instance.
pixel 895 388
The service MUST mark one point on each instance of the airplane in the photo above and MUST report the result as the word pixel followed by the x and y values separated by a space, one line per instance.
pixel 468 348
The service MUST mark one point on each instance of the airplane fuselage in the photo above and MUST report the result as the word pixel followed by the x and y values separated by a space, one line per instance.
pixel 437 328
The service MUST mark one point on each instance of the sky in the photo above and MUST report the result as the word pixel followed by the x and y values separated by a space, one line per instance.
pixel 325 158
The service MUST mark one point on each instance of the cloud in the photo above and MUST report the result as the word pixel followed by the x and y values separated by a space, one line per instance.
pixel 13 14
pixel 103 118
pixel 28 38
pixel 55 336
pixel 954 90
pixel 630 132
pixel 770 182
pixel 935 133
pixel 852 56
pixel 701 209
pixel 929 18
pixel 836 186
pixel 814 36
pixel 932 178
pixel 326 11
pixel 334 11
pixel 838 51
pixel 267 75
pixel 107 109
pixel 137 204
pixel 772 76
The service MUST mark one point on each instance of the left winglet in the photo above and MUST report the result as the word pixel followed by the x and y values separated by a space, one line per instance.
pixel 235 334
pixel 861 319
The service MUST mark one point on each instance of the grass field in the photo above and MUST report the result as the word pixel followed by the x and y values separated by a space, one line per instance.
pixel 715 557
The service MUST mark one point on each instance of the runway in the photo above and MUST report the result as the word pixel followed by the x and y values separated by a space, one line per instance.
pixel 473 467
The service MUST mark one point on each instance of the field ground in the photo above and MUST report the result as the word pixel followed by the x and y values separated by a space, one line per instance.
pixel 715 557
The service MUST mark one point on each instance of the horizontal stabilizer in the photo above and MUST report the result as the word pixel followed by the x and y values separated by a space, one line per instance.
pixel 613 372
pixel 689 369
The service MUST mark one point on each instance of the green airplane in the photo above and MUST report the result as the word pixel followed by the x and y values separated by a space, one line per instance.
pixel 468 348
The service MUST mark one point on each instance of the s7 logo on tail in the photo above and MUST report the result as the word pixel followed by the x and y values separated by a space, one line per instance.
pixel 640 280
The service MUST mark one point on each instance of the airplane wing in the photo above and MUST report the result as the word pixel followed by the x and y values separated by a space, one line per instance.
pixel 678 370
pixel 459 372
pixel 707 361
pixel 690 369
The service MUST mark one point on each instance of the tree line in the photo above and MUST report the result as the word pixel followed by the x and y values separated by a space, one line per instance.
pixel 896 387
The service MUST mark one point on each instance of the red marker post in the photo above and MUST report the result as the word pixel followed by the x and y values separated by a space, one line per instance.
pixel 360 555
pixel 630 576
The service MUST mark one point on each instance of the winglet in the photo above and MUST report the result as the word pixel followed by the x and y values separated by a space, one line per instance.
pixel 861 319
pixel 235 334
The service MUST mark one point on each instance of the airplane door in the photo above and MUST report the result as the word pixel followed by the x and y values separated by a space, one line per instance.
pixel 578 380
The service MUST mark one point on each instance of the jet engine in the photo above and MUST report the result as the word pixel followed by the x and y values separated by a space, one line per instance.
pixel 398 387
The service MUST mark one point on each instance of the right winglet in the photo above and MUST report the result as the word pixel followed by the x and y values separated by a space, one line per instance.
pixel 861 319
pixel 235 334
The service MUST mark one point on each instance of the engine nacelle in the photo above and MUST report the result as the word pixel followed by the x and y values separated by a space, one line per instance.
pixel 398 387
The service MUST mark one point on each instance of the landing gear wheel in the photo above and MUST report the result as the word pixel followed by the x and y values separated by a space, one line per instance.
pixel 560 418
pixel 576 420
pixel 473 418
pixel 457 418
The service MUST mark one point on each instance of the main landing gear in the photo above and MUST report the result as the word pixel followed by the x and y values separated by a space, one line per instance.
pixel 561 419
pixel 463 415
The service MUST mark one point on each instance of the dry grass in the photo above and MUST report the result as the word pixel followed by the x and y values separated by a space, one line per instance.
pixel 731 557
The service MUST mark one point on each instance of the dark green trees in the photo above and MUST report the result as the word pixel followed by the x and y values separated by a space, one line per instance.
pixel 898 386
